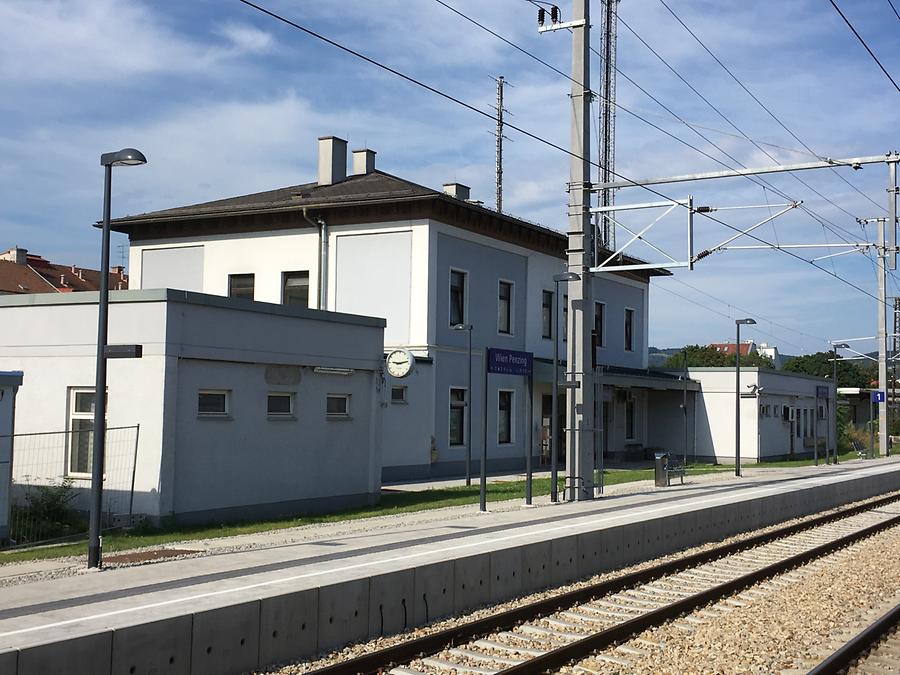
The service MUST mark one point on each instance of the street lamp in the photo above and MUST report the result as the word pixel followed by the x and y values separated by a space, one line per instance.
pixel 554 406
pixel 468 328
pixel 737 392
pixel 125 157
pixel 834 347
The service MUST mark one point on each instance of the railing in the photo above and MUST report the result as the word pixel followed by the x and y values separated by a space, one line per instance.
pixel 51 483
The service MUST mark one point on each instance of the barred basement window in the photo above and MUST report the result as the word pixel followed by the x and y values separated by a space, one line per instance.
pixel 337 405
pixel 280 404
pixel 398 394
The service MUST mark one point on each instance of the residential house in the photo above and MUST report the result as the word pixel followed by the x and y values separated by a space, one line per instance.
pixel 24 272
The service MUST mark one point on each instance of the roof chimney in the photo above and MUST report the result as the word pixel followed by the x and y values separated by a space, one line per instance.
pixel 457 190
pixel 363 162
pixel 332 160
pixel 16 255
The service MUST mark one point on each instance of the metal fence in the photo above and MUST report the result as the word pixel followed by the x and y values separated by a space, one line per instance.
pixel 50 486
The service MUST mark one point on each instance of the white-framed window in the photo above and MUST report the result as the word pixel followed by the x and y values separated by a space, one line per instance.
pixel 547 299
pixel 337 406
pixel 398 394
pixel 280 405
pixel 214 403
pixel 505 307
pixel 821 415
pixel 600 323
pixel 630 413
pixel 458 293
pixel 505 399
pixel 295 288
pixel 241 286
pixel 457 423
pixel 629 329
pixel 81 431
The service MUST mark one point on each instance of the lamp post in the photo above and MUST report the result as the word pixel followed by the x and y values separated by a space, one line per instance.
pixel 468 328
pixel 834 348
pixel 684 378
pixel 126 157
pixel 737 393
pixel 554 405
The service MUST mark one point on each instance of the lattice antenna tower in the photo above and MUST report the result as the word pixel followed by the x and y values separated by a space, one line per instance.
pixel 607 142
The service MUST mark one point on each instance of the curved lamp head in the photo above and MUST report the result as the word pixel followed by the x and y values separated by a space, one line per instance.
pixel 568 276
pixel 745 322
pixel 840 345
pixel 124 157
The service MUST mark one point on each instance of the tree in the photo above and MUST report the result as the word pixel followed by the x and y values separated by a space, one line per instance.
pixel 820 365
pixel 708 357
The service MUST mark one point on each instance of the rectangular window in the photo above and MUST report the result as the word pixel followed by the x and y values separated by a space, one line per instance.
pixel 241 286
pixel 629 419
pixel 295 288
pixel 213 403
pixel 398 394
pixel 504 308
pixel 629 330
pixel 504 416
pixel 457 297
pixel 337 405
pixel 280 404
pixel 821 415
pixel 599 321
pixel 565 326
pixel 457 416
pixel 547 315
pixel 81 428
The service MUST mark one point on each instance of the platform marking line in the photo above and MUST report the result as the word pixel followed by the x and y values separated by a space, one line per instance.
pixel 370 563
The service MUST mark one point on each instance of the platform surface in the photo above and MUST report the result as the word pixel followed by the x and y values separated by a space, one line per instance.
pixel 48 610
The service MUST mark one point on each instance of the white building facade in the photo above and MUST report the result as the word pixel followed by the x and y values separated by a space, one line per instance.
pixel 425 260
pixel 783 415
pixel 244 409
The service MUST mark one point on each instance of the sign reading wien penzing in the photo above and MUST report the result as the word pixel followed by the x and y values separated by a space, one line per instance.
pixel 509 362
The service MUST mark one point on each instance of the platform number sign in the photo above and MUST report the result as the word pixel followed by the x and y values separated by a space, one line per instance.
pixel 878 397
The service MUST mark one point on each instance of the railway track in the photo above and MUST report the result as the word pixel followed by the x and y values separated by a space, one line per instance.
pixel 872 651
pixel 559 630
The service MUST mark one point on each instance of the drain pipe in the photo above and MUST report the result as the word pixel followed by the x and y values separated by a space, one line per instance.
pixel 322 226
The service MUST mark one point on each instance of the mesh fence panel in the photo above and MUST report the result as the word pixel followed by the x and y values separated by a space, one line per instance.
pixel 50 495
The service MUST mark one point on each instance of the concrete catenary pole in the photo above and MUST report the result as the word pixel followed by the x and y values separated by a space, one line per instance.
pixel 882 339
pixel 580 446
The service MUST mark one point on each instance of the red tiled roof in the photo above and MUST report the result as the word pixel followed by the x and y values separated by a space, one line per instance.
pixel 39 275
pixel 727 348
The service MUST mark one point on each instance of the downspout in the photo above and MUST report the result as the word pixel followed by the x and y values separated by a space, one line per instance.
pixel 322 226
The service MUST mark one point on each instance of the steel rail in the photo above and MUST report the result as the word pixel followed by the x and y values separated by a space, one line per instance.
pixel 610 636
pixel 858 645
pixel 403 652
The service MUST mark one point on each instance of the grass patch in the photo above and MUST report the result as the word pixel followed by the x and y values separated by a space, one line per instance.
pixel 391 503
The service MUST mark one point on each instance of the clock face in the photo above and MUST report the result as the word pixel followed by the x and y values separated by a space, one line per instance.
pixel 399 363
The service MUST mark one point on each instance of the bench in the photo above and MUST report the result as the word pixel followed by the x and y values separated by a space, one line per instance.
pixel 861 451
pixel 676 469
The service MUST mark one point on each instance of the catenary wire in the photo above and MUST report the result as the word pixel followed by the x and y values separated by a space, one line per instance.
pixel 863 42
pixel 896 13
pixel 534 136
pixel 758 101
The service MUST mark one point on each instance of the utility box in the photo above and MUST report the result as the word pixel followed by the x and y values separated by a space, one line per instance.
pixel 10 381
pixel 661 469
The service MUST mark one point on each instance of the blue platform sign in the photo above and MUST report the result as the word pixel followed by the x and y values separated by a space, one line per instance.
pixel 510 362
pixel 877 397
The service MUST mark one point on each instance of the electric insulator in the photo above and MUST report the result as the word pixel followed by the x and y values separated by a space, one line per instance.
pixel 554 14
pixel 542 14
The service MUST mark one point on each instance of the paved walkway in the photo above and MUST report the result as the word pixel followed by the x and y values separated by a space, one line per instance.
pixel 252 566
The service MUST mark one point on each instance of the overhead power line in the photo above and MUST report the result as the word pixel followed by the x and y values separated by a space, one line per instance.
pixel 535 137
pixel 896 13
pixel 757 100
pixel 863 42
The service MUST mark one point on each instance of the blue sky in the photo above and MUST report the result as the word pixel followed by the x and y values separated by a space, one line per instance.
pixel 225 101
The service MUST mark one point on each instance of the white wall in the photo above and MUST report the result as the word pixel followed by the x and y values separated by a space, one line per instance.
pixel 191 342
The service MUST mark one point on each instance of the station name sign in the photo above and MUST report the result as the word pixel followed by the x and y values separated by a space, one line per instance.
pixel 510 362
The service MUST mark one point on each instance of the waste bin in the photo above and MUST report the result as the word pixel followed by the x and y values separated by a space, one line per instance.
pixel 661 465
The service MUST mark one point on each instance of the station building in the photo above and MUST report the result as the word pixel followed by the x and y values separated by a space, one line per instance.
pixel 376 244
